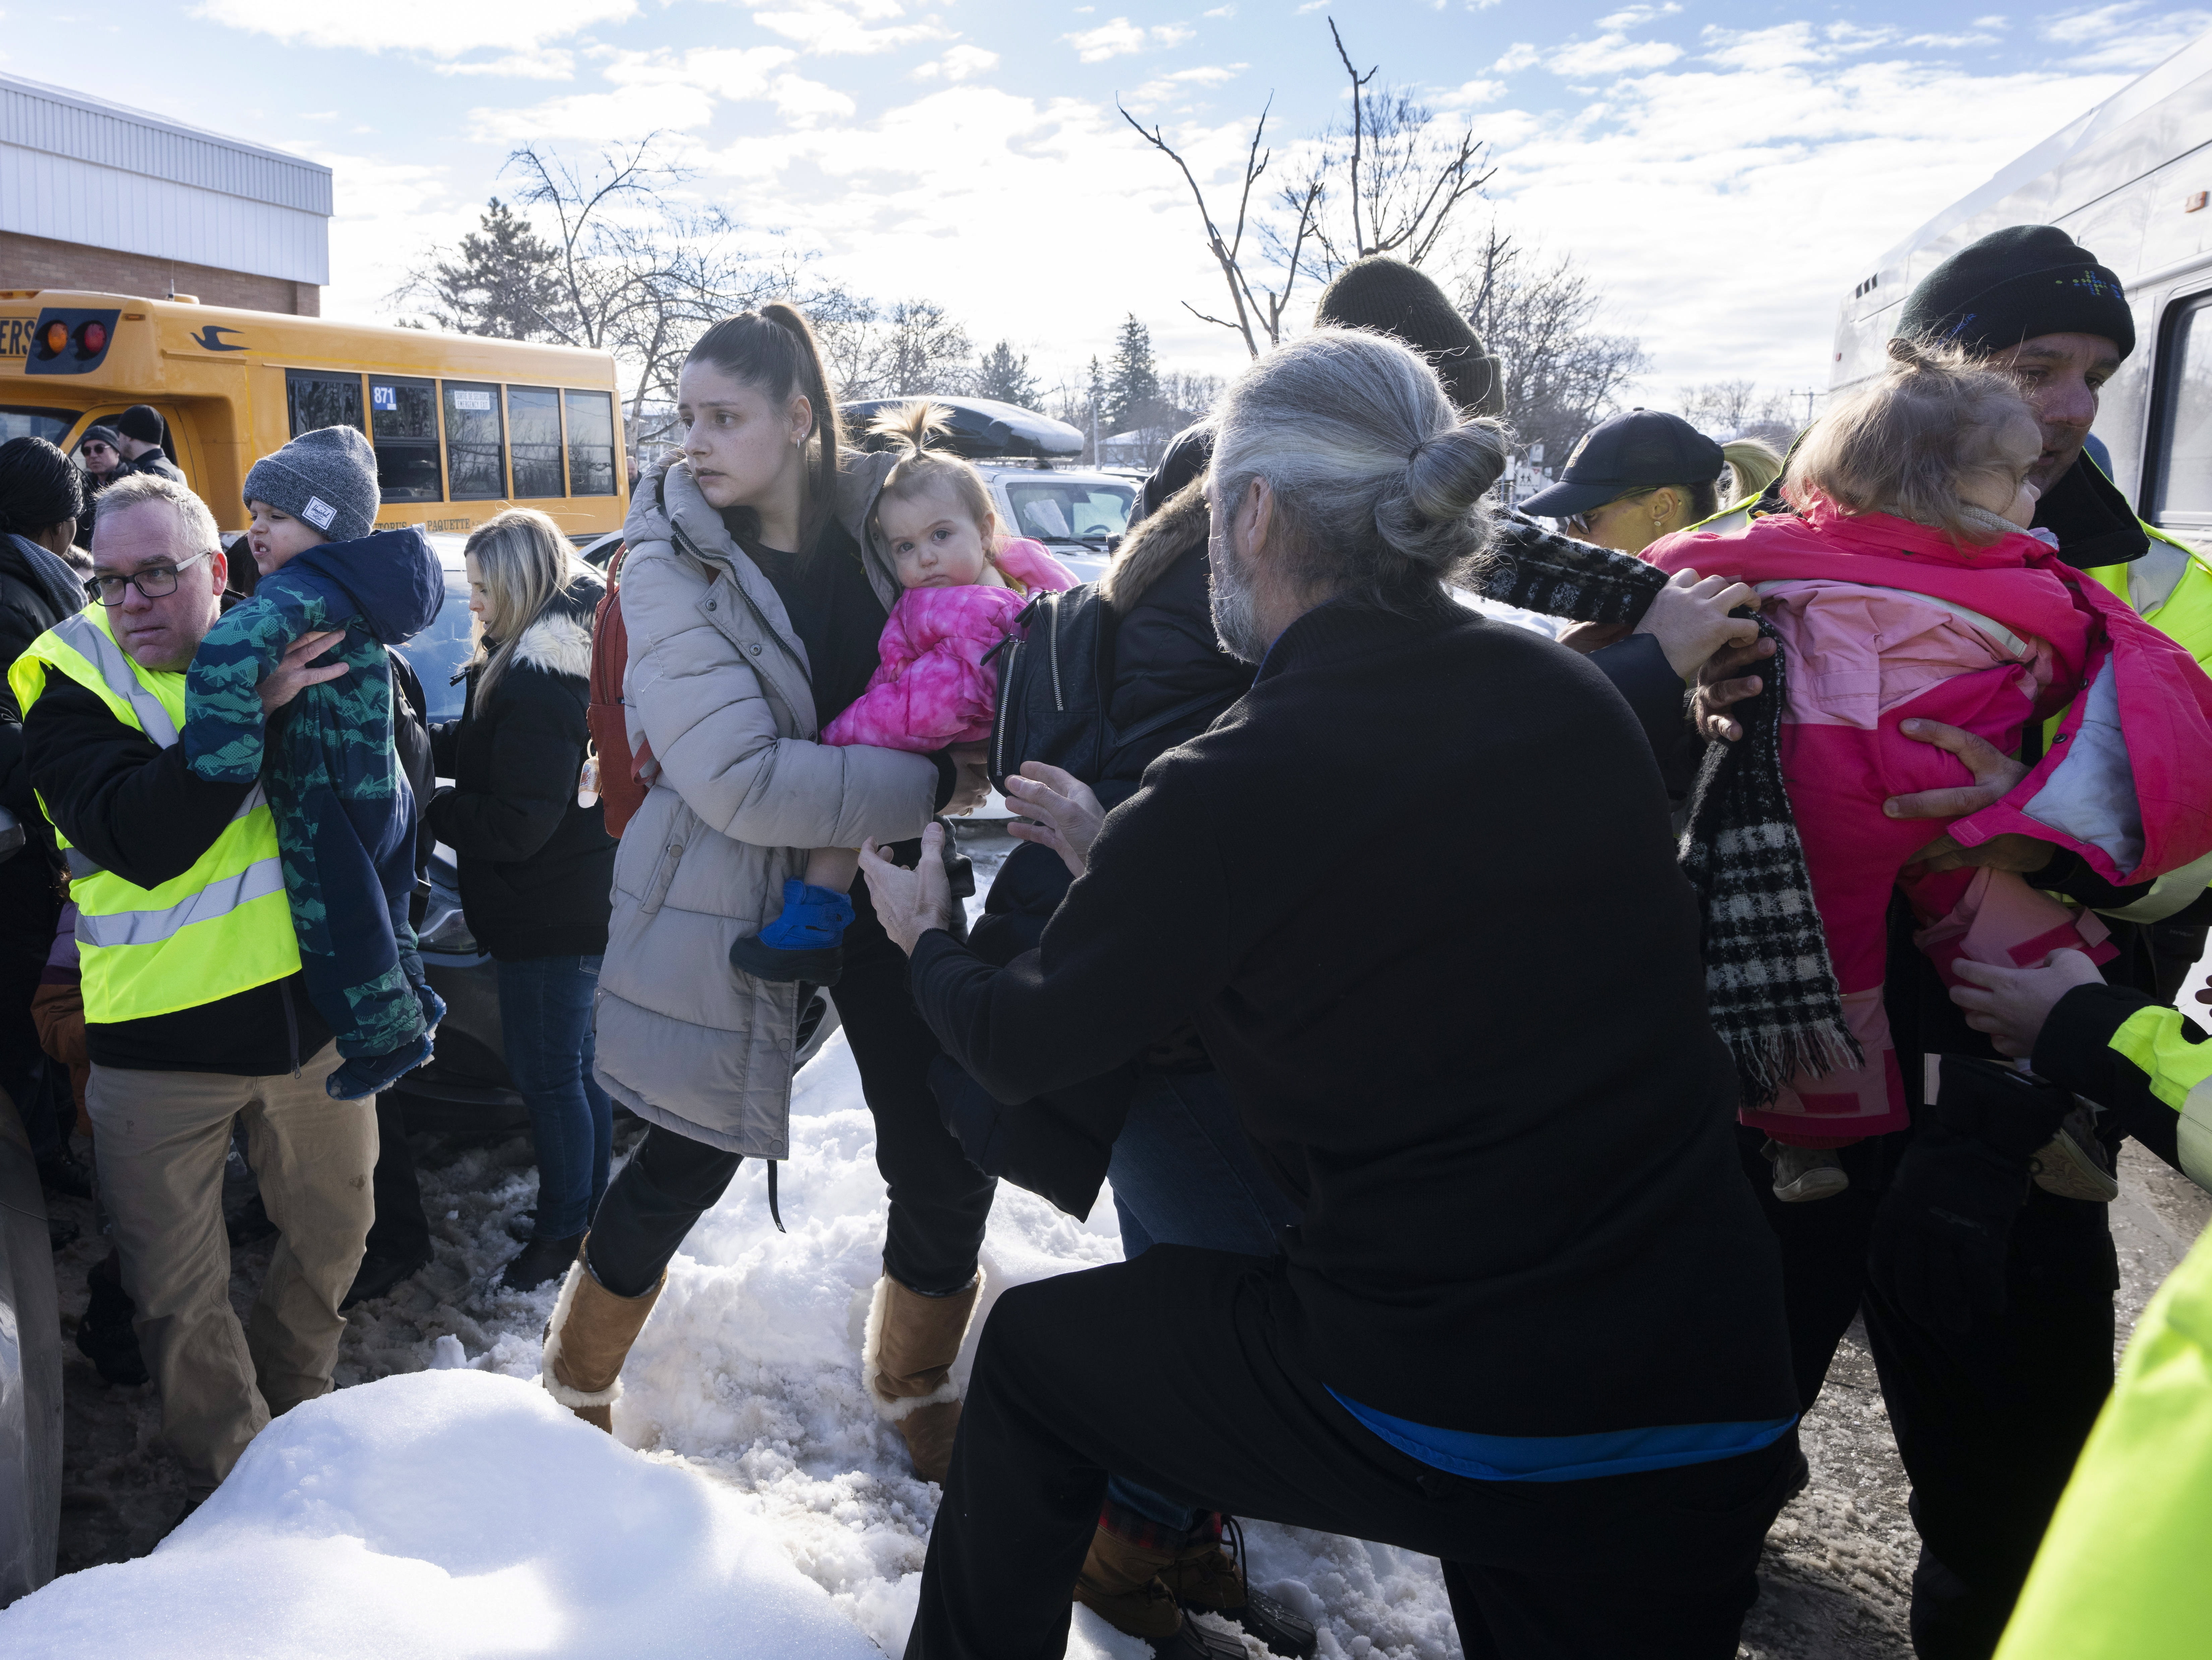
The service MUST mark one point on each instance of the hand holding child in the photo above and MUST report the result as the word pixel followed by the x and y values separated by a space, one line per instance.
pixel 2011 1005
pixel 1690 619
pixel 295 674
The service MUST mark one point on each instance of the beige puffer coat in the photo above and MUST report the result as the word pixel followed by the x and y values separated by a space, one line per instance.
pixel 718 683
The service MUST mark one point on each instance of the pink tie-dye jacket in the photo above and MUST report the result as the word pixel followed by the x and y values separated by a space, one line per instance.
pixel 931 687
pixel 1884 620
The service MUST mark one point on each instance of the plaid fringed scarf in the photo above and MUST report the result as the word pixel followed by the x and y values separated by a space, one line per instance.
pixel 1770 987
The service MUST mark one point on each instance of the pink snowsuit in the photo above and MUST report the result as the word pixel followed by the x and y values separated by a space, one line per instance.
pixel 931 687
pixel 1884 620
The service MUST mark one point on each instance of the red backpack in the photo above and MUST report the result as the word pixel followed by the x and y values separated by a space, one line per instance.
pixel 624 775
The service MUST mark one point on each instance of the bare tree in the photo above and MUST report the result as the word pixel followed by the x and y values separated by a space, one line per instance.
pixel 1737 409
pixel 617 264
pixel 1540 317
pixel 910 350
pixel 1259 309
pixel 1384 181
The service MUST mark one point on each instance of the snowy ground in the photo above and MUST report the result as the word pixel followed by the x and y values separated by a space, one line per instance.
pixel 453 1515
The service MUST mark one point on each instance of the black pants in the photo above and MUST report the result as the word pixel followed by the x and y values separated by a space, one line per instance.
pixel 1198 1404
pixel 939 1202
pixel 1988 1422
pixel 401 1232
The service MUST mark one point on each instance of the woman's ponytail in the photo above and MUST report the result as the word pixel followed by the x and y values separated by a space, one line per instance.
pixel 822 484
pixel 1752 467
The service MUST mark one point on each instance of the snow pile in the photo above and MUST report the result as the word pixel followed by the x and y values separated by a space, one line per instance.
pixel 445 1514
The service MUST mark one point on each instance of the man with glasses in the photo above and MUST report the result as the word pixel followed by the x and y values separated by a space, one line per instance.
pixel 195 1011
pixel 99 452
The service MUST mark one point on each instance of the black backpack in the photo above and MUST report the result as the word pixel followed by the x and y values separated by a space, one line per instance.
pixel 1056 691
pixel 1054 686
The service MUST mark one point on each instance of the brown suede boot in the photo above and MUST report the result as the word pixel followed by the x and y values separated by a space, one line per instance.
pixel 906 1362
pixel 1120 1583
pixel 586 1342
pixel 1203 1576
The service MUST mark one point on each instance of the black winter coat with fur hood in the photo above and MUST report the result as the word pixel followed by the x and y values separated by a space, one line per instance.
pixel 536 869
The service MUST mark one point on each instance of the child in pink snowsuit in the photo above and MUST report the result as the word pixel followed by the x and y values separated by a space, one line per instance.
pixel 965 584
pixel 1908 586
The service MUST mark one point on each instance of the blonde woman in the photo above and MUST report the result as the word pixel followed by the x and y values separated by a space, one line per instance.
pixel 535 866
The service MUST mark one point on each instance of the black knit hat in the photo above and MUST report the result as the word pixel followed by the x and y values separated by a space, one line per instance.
pixel 141 422
pixel 1391 297
pixel 2014 285
pixel 1641 449
pixel 97 434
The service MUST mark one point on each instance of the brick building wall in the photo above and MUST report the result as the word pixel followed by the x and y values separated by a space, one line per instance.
pixel 34 262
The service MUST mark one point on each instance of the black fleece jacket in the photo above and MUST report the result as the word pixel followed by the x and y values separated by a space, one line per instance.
pixel 137 810
pixel 536 870
pixel 1490 1083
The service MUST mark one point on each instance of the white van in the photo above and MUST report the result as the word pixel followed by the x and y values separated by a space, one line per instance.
pixel 2131 182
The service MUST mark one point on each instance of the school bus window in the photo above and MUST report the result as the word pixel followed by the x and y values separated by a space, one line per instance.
pixel 18 420
pixel 591 443
pixel 476 462
pixel 533 418
pixel 313 401
pixel 402 418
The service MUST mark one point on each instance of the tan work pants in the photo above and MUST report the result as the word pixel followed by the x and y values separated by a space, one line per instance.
pixel 160 1139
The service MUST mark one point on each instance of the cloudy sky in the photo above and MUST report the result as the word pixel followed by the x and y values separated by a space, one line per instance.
pixel 1725 169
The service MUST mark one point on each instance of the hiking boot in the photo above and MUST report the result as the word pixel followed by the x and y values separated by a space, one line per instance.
pixel 539 1263
pixel 1804 1174
pixel 105 1335
pixel 806 942
pixel 906 1363
pixel 1120 1583
pixel 2075 1164
pixel 1205 1577
pixel 379 1275
pixel 588 1339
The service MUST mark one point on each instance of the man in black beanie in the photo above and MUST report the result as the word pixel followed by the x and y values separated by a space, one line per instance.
pixel 141 429
pixel 1990 1414
pixel 1394 298
pixel 2035 303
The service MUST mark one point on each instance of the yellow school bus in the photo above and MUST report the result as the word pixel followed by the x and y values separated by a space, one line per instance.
pixel 462 427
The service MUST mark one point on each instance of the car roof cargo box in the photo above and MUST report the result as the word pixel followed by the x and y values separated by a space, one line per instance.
pixel 982 428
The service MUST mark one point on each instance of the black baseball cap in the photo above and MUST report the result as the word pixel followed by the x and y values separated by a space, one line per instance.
pixel 1636 451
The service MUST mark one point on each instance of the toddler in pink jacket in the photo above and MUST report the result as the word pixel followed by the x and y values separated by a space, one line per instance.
pixel 965 584
pixel 1907 585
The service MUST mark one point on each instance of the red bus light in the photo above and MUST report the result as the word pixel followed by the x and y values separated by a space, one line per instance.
pixel 93 338
pixel 57 337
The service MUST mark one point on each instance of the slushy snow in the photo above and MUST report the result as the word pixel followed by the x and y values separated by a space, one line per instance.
pixel 751 1502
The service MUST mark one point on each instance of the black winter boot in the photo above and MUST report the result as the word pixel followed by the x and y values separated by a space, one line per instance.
pixel 540 1262
pixel 104 1336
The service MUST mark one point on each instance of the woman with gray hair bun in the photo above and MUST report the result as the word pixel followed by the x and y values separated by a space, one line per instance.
pixel 1436 1358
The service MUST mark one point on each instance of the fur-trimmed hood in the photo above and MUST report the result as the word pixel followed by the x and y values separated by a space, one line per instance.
pixel 1161 537
pixel 559 640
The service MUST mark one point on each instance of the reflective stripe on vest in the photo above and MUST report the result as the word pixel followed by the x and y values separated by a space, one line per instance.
pixel 224 926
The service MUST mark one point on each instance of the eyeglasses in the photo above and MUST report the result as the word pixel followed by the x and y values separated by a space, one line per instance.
pixel 156 582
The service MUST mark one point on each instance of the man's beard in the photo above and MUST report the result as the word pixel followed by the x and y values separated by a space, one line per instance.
pixel 1236 616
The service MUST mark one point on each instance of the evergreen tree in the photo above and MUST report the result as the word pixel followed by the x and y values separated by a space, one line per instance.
pixel 504 284
pixel 1132 385
pixel 1006 376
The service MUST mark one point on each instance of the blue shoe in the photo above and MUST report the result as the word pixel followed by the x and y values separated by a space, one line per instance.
pixel 371 1075
pixel 806 942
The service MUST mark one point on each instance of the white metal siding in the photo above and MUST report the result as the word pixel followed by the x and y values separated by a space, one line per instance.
pixel 69 124
pixel 68 200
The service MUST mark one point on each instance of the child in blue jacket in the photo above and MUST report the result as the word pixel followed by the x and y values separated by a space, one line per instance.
pixel 345 817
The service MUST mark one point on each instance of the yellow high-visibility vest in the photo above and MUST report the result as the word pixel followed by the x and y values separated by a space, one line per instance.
pixel 221 927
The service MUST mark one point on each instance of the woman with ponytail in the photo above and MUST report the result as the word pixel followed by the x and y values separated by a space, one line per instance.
pixel 756 587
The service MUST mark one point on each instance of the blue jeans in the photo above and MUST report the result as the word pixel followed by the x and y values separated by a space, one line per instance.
pixel 1184 1174
pixel 545 1012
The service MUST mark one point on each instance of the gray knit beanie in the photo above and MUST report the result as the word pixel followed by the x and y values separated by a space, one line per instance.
pixel 327 478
